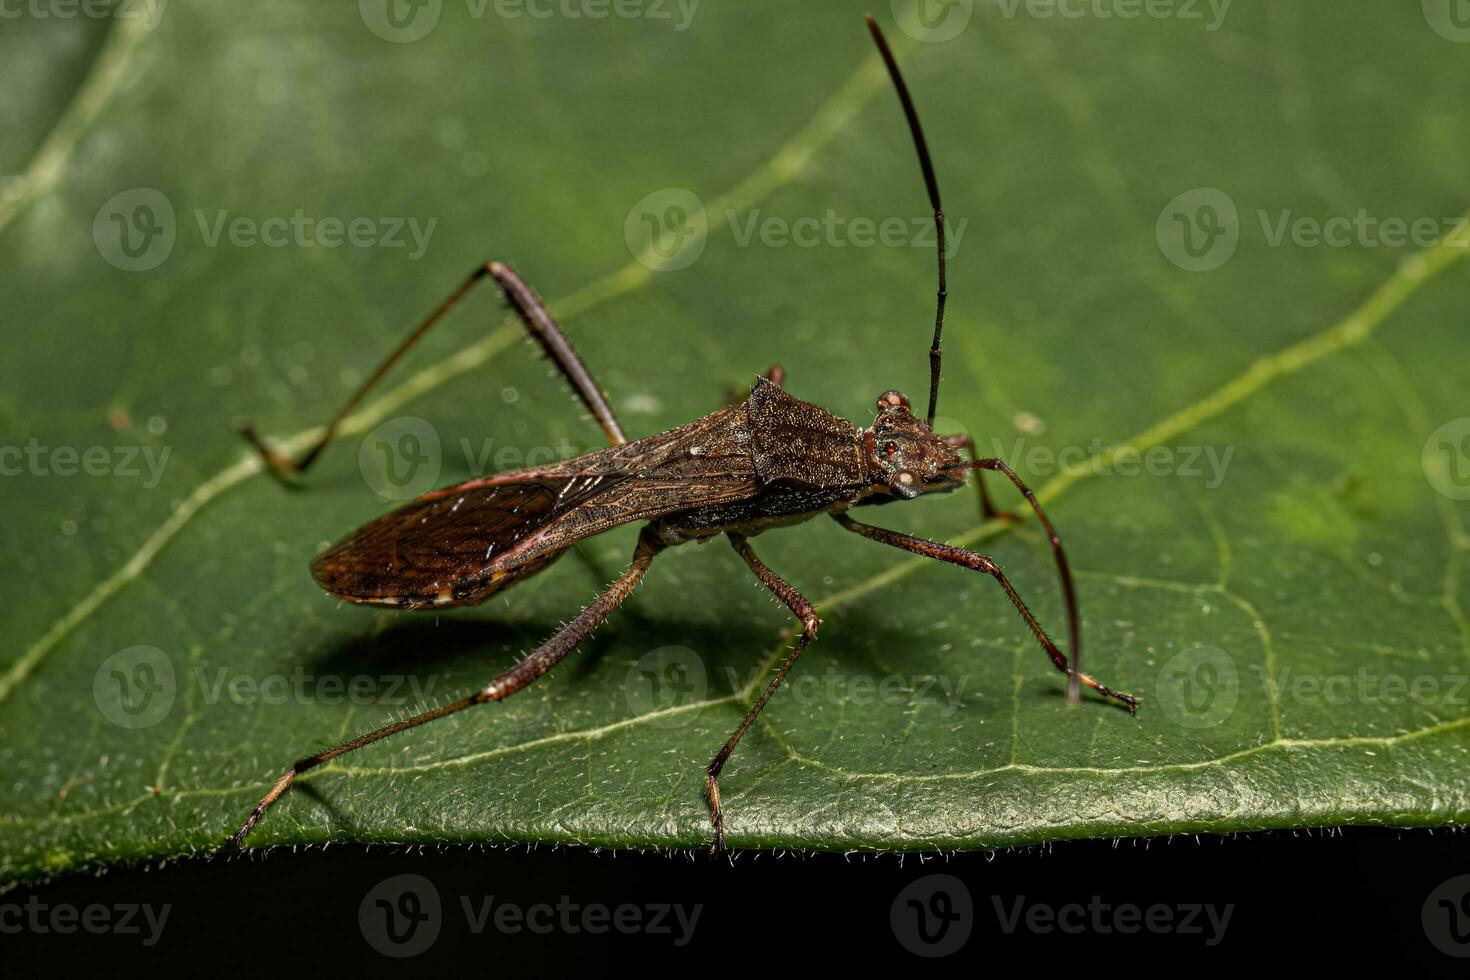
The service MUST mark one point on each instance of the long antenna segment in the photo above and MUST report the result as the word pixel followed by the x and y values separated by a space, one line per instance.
pixel 933 187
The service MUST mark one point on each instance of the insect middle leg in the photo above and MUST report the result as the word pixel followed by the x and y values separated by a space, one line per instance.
pixel 803 611
pixel 982 563
pixel 537 320
pixel 542 659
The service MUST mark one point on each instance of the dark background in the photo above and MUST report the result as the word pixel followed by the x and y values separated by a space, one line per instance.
pixel 1318 899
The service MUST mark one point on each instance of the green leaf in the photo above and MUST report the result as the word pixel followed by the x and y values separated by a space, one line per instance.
pixel 1257 458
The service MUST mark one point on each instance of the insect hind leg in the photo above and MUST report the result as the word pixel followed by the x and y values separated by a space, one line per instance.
pixel 804 611
pixel 542 659
pixel 537 320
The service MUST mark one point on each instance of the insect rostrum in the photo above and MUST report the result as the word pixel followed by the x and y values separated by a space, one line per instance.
pixel 769 461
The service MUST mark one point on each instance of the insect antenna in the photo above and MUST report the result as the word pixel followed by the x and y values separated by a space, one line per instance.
pixel 933 187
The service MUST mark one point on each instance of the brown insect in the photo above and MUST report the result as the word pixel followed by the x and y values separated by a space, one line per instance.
pixel 769 461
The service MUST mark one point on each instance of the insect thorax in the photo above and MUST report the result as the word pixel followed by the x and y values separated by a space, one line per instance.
pixel 797 441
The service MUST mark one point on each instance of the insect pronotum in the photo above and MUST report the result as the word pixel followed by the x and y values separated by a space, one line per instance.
pixel 769 461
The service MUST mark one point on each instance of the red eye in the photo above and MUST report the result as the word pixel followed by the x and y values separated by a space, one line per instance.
pixel 890 448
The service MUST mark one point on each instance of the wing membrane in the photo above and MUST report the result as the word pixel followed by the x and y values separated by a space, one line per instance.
pixel 455 546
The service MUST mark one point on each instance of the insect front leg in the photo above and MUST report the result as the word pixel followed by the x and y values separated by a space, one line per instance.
pixel 988 510
pixel 538 322
pixel 804 611
pixel 982 563
pixel 542 659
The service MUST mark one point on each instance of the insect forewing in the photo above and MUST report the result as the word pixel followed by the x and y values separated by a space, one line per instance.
pixel 456 546
pixel 460 545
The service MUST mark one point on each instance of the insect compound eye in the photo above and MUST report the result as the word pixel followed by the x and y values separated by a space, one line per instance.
pixel 891 400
